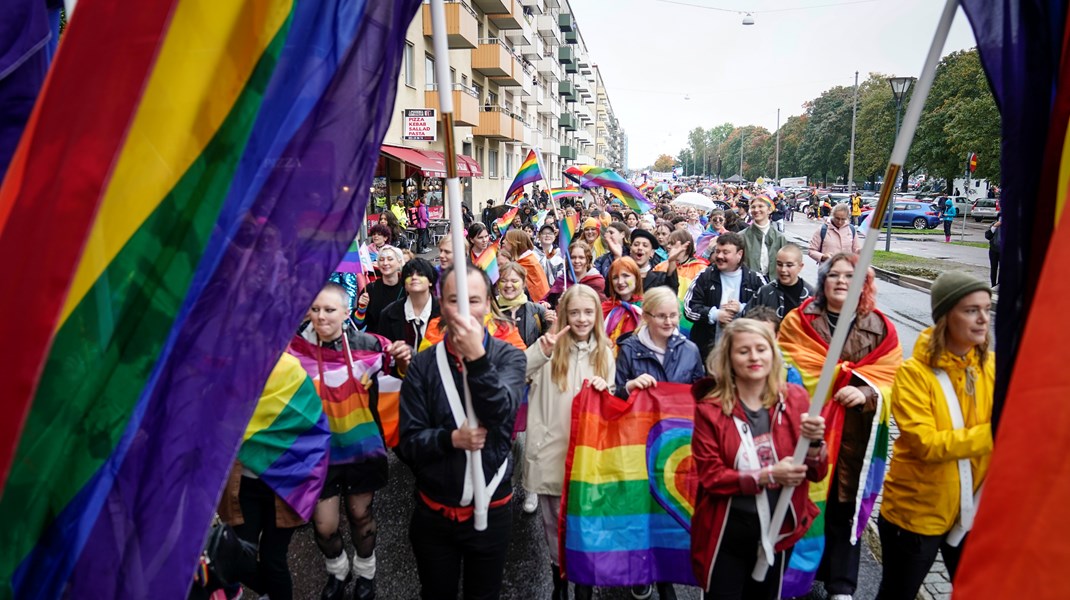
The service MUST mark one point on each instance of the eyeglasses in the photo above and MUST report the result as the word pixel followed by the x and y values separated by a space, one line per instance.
pixel 718 219
pixel 666 318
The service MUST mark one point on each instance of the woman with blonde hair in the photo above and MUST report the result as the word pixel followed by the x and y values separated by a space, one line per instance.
pixel 519 247
pixel 747 424
pixel 576 351
pixel 942 402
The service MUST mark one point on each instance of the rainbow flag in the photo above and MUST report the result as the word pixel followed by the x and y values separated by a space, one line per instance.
pixel 529 173
pixel 685 273
pixel 559 194
pixel 353 261
pixel 200 210
pixel 488 261
pixel 568 227
pixel 342 381
pixel 630 488
pixel 502 223
pixel 591 176
pixel 805 350
pixel 286 441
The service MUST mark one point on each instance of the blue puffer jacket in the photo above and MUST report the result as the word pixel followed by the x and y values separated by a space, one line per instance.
pixel 683 363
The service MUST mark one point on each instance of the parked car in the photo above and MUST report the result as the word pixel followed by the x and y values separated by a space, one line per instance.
pixel 963 206
pixel 911 214
pixel 985 208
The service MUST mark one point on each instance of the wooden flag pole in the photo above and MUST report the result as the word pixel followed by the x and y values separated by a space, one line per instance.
pixel 453 195
pixel 865 258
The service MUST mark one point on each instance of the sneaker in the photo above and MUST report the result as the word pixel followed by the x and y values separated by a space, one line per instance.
pixel 531 503
pixel 365 589
pixel 335 589
pixel 642 592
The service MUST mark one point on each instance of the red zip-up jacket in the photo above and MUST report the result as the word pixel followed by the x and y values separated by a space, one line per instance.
pixel 714 446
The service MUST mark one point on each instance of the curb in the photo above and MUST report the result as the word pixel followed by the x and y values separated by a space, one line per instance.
pixel 907 281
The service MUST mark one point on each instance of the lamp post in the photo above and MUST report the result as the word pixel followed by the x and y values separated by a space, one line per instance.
pixel 741 178
pixel 900 87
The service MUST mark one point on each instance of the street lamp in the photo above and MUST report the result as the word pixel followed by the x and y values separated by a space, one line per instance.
pixel 900 87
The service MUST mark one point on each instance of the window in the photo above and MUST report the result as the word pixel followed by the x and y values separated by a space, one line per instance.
pixel 492 163
pixel 509 162
pixel 492 98
pixel 479 156
pixel 466 148
pixel 429 69
pixel 478 89
pixel 410 65
pixel 453 75
pixel 464 80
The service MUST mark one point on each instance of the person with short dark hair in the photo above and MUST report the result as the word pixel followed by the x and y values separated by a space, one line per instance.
pixel 407 319
pixel 787 291
pixel 721 293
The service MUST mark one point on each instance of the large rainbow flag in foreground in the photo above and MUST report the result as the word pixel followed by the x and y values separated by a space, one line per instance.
pixel 202 204
pixel 286 441
pixel 591 176
pixel 806 351
pixel 630 488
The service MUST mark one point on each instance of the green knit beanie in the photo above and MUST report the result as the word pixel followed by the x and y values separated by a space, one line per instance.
pixel 952 286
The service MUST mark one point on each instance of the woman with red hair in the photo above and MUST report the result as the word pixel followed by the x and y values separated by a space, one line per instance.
pixel 621 312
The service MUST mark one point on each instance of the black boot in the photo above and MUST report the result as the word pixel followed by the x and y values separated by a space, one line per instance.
pixel 560 585
pixel 666 591
pixel 335 588
pixel 365 589
pixel 583 592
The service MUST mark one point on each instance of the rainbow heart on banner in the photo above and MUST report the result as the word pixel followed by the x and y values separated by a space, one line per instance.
pixel 671 469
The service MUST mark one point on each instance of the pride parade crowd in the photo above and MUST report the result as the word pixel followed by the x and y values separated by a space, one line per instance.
pixel 582 297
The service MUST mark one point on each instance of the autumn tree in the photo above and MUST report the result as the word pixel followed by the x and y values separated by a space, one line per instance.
pixel 664 163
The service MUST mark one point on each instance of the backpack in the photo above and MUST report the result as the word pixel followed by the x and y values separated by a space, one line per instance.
pixel 825 231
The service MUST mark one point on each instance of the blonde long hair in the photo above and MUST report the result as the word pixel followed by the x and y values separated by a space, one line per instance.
pixel 938 343
pixel 601 358
pixel 719 365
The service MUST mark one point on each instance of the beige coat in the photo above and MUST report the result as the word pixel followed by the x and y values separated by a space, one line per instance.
pixel 550 416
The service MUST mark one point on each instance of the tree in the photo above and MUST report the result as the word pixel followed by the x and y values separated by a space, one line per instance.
pixel 791 139
pixel 664 163
pixel 827 137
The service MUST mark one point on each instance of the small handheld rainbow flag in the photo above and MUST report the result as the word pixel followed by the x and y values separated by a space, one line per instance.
pixel 488 261
pixel 569 226
pixel 592 176
pixel 351 262
pixel 559 194
pixel 630 488
pixel 502 223
pixel 529 173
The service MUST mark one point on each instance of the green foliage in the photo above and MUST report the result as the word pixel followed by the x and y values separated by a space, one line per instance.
pixel 664 163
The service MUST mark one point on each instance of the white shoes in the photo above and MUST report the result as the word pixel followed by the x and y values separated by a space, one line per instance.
pixel 531 502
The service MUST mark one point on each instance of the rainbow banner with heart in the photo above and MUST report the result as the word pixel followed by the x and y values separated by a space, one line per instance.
pixel 630 488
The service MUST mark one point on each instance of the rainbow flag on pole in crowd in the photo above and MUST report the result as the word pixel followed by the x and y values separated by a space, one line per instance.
pixel 591 176
pixel 355 436
pixel 805 350
pixel 568 227
pixel 488 261
pixel 202 206
pixel 630 488
pixel 285 444
pixel 502 223
pixel 529 173
pixel 559 194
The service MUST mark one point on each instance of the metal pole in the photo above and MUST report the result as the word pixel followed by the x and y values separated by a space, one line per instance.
pixel 741 134
pixel 480 501
pixel 854 117
pixel 888 230
pixel 776 170
pixel 865 258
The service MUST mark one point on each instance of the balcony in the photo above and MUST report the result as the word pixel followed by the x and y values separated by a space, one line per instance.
pixel 521 35
pixel 548 29
pixel 462 26
pixel 570 68
pixel 533 6
pixel 493 59
pixel 492 6
pixel 494 124
pixel 568 152
pixel 565 22
pixel 567 121
pixel 567 90
pixel 548 67
pixel 465 104
pixel 510 18
pixel 533 50
pixel 571 37
pixel 566 55
pixel 550 106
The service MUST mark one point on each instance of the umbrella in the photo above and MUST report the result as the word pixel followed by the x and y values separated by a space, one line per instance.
pixel 694 199
pixel 661 187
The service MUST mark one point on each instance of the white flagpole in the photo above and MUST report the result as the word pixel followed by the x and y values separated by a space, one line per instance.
pixel 453 195
pixel 865 258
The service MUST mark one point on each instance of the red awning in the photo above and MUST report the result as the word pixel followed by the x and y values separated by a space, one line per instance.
pixel 431 163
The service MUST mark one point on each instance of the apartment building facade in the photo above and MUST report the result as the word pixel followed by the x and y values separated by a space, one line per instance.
pixel 522 78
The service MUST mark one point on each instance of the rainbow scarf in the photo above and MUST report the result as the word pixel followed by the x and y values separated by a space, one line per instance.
pixel 286 441
pixel 630 488
pixel 529 173
pixel 203 204
pixel 805 350
pixel 591 176
pixel 488 262
pixel 342 380
pixel 621 318
pixel 686 273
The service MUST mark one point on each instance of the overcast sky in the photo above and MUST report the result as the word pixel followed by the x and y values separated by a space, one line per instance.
pixel 670 67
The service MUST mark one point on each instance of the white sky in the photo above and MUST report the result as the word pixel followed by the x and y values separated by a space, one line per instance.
pixel 653 54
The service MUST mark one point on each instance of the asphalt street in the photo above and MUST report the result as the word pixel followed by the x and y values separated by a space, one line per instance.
pixel 527 574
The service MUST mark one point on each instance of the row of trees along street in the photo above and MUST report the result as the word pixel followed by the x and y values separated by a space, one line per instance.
pixel 960 116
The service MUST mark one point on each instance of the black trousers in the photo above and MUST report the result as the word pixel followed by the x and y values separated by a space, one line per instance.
pixel 839 563
pixel 947 227
pixel 731 578
pixel 272 576
pixel 993 264
pixel 907 559
pixel 442 545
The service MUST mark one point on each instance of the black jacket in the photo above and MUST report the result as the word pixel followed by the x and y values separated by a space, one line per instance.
pixel 779 299
pixel 394 327
pixel 704 295
pixel 530 320
pixel 496 382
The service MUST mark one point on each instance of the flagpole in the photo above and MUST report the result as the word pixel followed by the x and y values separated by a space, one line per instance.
pixel 557 214
pixel 453 195
pixel 865 258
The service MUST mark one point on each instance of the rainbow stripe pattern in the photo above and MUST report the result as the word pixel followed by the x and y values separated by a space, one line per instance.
pixel 685 273
pixel 529 173
pixel 630 488
pixel 488 261
pixel 591 176
pixel 286 441
pixel 805 350
pixel 559 194
pixel 203 204
pixel 502 223
pixel 568 227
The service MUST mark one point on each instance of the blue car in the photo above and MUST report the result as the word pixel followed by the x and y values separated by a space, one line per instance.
pixel 916 215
